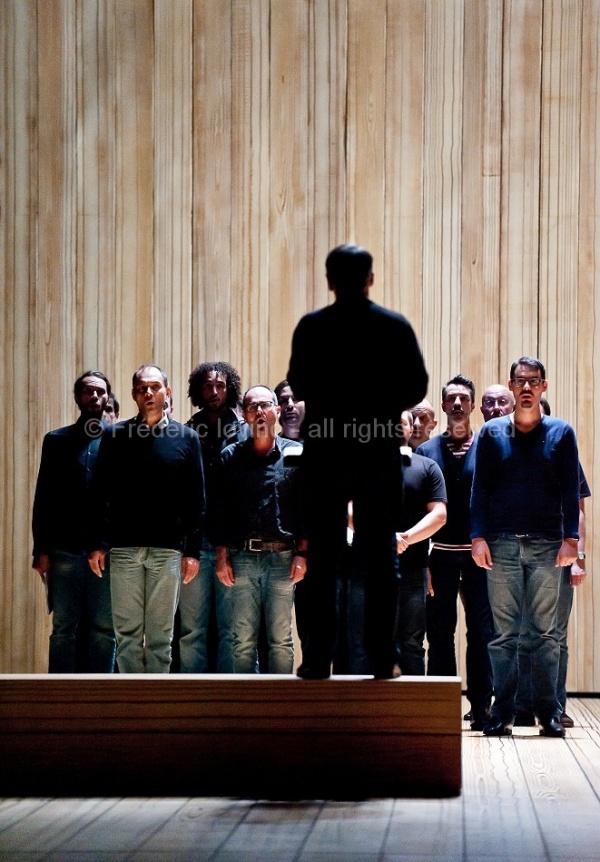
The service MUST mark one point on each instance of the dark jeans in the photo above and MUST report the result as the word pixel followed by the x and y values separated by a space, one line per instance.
pixel 411 621
pixel 452 571
pixel 374 489
pixel 76 594
pixel 524 698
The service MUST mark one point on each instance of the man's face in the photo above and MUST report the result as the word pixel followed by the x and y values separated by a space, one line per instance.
pixel 407 426
pixel 424 422
pixel 110 415
pixel 150 392
pixel 260 411
pixel 457 402
pixel 528 387
pixel 496 401
pixel 214 392
pixel 92 397
pixel 291 410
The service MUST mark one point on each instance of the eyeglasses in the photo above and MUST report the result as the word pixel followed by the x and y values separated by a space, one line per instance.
pixel 491 402
pixel 255 406
pixel 520 382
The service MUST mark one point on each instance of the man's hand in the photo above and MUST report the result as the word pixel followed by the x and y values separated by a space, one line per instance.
pixel 578 575
pixel 567 554
pixel 41 564
pixel 430 590
pixel 402 542
pixel 97 561
pixel 190 567
pixel 224 568
pixel 480 552
pixel 298 569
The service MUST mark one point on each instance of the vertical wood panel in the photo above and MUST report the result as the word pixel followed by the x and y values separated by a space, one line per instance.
pixel 404 104
pixel 365 133
pixel 520 180
pixel 172 300
pixel 442 190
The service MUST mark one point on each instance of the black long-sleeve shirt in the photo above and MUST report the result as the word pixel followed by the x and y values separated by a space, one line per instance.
pixel 62 511
pixel 149 488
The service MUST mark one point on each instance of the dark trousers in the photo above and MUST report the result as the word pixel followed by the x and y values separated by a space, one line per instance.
pixel 451 572
pixel 374 487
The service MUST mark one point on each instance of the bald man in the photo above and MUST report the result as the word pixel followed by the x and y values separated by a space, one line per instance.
pixel 496 401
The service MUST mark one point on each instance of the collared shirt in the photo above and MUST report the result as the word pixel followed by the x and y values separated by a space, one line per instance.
pixel 258 496
pixel 62 506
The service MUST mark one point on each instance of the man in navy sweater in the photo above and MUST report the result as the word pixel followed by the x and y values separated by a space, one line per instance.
pixel 524 529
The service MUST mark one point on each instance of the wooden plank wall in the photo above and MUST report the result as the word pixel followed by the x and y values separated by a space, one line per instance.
pixel 173 173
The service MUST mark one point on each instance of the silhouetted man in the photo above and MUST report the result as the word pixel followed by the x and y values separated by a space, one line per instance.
pixel 356 366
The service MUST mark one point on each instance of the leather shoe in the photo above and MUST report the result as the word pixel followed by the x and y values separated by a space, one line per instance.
pixel 392 672
pixel 497 728
pixel 524 719
pixel 566 720
pixel 468 716
pixel 552 727
pixel 313 672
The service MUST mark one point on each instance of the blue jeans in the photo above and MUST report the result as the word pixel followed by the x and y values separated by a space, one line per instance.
pixel 145 589
pixel 262 580
pixel 196 602
pixel 524 702
pixel 524 586
pixel 451 572
pixel 76 594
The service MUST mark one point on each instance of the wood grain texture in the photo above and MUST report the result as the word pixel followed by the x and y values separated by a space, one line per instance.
pixel 173 175
pixel 217 735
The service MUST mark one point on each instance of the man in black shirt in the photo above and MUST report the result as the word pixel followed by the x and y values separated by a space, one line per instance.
pixel 259 536
pixel 61 521
pixel 374 370
pixel 150 501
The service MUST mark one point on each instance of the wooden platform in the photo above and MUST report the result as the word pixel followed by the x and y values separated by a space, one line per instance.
pixel 273 737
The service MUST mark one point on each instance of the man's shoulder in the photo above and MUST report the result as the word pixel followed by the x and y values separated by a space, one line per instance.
pixel 431 448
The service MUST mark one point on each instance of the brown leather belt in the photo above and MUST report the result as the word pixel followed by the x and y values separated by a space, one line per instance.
pixel 259 545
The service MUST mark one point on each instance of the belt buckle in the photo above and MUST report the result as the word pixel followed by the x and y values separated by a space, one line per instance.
pixel 252 543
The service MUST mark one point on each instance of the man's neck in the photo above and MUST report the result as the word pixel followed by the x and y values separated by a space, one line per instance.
pixel 459 429
pixel 152 418
pixel 263 445
pixel 526 420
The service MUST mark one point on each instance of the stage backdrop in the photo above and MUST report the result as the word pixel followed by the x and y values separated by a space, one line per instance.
pixel 174 172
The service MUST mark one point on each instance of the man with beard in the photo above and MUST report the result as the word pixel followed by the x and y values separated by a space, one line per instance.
pixel 62 516
pixel 525 528
pixel 450 562
pixel 203 622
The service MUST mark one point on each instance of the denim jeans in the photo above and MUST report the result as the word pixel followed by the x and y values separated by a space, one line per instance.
pixel 145 589
pixel 197 602
pixel 451 572
pixel 524 586
pixel 76 594
pixel 524 701
pixel 262 580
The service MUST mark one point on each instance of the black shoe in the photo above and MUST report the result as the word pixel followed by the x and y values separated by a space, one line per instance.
pixel 494 727
pixel 566 720
pixel 468 716
pixel 392 672
pixel 313 672
pixel 552 727
pixel 524 719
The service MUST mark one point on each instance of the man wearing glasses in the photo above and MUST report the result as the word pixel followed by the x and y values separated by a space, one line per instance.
pixel 259 538
pixel 524 529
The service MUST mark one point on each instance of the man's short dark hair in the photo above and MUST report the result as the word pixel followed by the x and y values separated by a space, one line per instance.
pixel 530 362
pixel 280 387
pixel 348 268
pixel 78 386
pixel 143 367
pixel 459 380
pixel 232 379
pixel 115 403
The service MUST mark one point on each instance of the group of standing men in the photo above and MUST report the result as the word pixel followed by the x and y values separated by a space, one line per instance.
pixel 224 496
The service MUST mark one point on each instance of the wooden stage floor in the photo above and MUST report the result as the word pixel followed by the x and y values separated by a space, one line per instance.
pixel 524 799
